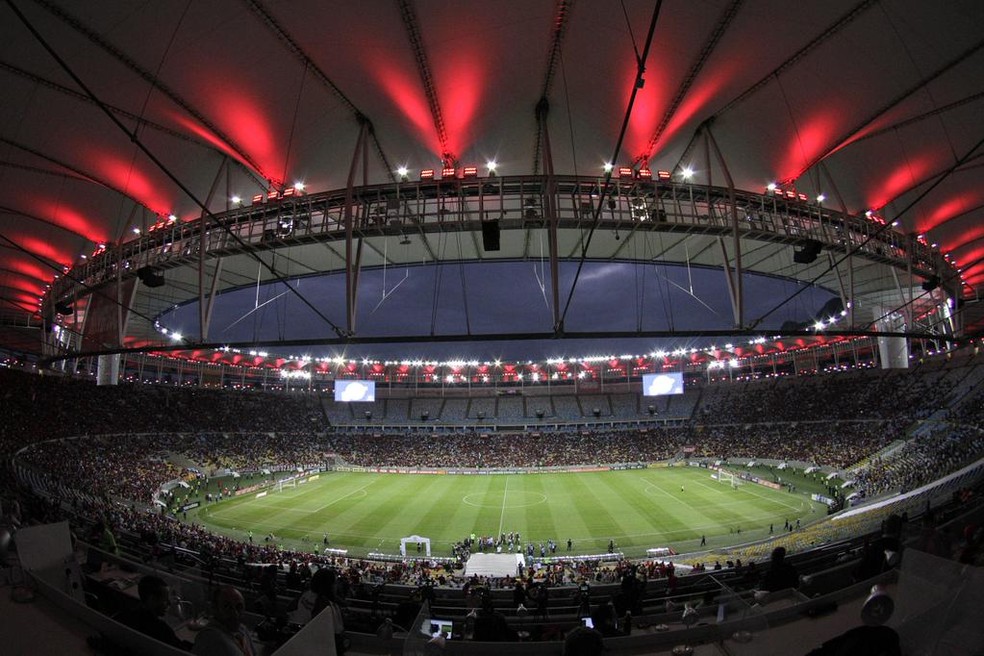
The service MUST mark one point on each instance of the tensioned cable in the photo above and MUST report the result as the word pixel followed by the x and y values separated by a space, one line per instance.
pixel 143 108
pixel 792 117
pixel 293 125
pixel 904 44
pixel 640 69
pixel 874 234
pixel 157 162
pixel 464 281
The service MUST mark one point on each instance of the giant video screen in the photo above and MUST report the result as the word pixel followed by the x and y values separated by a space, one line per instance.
pixel 662 384
pixel 355 391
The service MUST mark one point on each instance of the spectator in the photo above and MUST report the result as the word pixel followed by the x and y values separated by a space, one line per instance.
pixel 225 634
pixel 155 599
pixel 781 574
pixel 582 641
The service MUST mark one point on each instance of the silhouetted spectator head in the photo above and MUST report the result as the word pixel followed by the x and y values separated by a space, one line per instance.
pixel 228 606
pixel 154 594
pixel 583 641
pixel 778 555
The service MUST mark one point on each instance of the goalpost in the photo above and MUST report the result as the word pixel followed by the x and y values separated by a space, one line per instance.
pixel 285 483
pixel 724 476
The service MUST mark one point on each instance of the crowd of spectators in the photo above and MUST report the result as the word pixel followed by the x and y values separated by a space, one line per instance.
pixel 40 407
pixel 859 395
pixel 475 449
pixel 132 439
pixel 136 466
pixel 837 444
pixel 930 455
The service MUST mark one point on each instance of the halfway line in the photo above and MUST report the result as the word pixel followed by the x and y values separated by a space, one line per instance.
pixel 502 515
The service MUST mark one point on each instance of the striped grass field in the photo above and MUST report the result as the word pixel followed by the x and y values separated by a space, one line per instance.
pixel 638 509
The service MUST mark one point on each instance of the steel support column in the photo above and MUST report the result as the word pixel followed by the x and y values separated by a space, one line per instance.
pixel 203 311
pixel 550 211
pixel 849 300
pixel 737 298
pixel 351 258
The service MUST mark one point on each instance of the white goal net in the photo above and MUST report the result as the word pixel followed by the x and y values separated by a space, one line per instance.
pixel 726 477
pixel 284 483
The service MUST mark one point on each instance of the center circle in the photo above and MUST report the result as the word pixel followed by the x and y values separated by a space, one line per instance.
pixel 525 499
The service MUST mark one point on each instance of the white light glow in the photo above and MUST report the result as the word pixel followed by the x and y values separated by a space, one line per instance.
pixel 608 167
pixel 687 173
pixel 402 171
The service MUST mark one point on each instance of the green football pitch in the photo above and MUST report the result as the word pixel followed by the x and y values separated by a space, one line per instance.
pixel 638 509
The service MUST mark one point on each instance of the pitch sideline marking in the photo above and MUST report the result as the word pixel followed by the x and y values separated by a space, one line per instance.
pixel 689 530
pixel 362 489
pixel 754 493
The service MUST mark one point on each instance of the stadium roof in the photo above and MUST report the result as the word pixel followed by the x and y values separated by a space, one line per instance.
pixel 118 115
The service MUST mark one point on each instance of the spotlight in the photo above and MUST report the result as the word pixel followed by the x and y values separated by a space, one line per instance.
pixel 688 173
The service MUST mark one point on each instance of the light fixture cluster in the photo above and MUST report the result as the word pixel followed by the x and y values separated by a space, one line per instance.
pixel 645 173
pixel 450 172
pixel 274 195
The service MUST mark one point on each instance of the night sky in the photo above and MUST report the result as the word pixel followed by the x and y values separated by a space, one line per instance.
pixel 504 297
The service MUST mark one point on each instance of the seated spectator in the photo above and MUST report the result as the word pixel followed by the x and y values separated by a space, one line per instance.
pixel 225 634
pixel 781 575
pixel 605 620
pixel 490 624
pixel 583 641
pixel 155 599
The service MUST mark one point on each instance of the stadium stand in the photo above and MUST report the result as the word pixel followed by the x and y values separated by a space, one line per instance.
pixel 132 439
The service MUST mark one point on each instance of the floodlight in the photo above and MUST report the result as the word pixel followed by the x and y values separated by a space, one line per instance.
pixel 688 173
